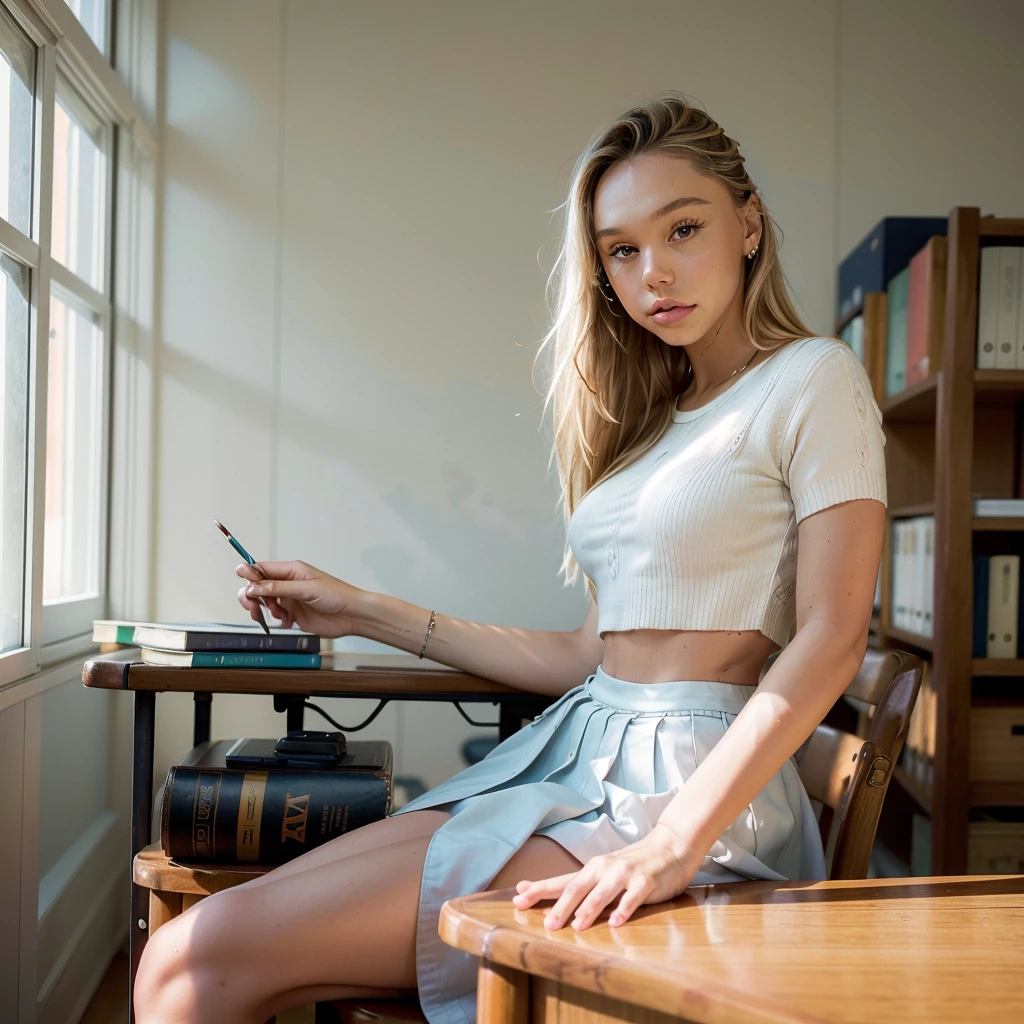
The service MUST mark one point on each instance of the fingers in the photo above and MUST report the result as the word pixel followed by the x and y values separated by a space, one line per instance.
pixel 285 570
pixel 295 590
pixel 546 889
pixel 584 894
pixel 636 893
pixel 599 897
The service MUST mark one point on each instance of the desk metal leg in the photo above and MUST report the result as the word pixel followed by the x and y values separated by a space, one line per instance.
pixel 202 706
pixel 510 718
pixel 142 816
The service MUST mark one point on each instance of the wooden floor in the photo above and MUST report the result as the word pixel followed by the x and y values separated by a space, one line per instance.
pixel 110 1004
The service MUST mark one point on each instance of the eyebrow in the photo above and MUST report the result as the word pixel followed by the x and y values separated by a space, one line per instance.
pixel 674 205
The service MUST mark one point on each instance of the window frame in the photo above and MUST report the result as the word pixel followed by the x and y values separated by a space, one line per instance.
pixel 72 617
pixel 63 629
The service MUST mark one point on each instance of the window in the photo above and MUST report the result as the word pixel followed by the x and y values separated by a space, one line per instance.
pixel 93 16
pixel 18 253
pixel 13 448
pixel 61 104
pixel 73 549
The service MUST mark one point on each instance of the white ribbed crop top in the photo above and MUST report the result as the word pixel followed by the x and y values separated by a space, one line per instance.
pixel 700 533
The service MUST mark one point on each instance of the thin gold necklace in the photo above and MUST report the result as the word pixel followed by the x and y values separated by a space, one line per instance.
pixel 738 369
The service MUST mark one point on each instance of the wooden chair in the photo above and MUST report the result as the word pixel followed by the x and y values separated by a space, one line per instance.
pixel 848 775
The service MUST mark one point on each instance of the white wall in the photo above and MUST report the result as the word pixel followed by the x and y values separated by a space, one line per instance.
pixel 929 95
pixel 356 200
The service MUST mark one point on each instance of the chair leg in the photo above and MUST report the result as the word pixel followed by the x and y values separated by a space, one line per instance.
pixel 163 907
pixel 189 900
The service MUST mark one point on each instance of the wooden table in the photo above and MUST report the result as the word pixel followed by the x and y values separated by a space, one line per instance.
pixel 902 950
pixel 382 677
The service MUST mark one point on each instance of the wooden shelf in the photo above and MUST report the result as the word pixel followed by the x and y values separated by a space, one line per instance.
pixel 917 403
pixel 989 523
pixel 926 508
pixel 914 403
pixel 998 387
pixel 1001 230
pixel 950 436
pixel 997 794
pixel 920 791
pixel 997 667
pixel 904 636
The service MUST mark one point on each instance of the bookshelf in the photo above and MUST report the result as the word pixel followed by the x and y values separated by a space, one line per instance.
pixel 950 436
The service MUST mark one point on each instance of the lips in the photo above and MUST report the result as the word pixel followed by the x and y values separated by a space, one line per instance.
pixel 670 313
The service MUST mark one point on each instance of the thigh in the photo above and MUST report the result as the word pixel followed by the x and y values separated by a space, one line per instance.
pixel 343 914
pixel 377 834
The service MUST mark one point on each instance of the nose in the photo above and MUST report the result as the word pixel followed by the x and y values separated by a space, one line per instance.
pixel 657 272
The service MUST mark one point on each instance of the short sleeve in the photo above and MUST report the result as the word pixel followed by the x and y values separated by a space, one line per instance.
pixel 834 449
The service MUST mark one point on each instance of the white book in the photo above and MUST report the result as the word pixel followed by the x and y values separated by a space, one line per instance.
pixel 988 299
pixel 916 574
pixel 1003 588
pixel 929 576
pixel 1002 507
pixel 1009 307
pixel 894 575
pixel 899 596
pixel 904 575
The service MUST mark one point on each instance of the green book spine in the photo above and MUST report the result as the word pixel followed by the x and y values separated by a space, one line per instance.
pixel 254 659
pixel 125 635
pixel 896 330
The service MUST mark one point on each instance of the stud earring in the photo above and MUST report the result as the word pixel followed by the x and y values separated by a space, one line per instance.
pixel 750 255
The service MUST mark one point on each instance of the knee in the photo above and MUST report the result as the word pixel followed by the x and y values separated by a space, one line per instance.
pixel 185 969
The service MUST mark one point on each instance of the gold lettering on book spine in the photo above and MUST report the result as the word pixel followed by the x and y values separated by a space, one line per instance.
pixel 250 816
pixel 296 810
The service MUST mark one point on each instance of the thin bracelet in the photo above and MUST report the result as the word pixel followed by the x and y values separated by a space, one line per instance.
pixel 427 634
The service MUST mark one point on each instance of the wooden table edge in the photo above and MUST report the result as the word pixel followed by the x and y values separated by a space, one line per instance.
pixel 693 998
pixel 124 671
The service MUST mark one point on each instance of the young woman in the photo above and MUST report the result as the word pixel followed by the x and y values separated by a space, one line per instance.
pixel 724 486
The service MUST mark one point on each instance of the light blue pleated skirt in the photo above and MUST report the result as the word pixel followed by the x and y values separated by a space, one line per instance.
pixel 594 772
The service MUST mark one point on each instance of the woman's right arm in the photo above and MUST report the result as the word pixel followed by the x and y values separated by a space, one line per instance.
pixel 538 661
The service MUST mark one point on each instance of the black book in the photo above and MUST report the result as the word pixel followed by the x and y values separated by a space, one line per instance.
pixel 215 814
pixel 221 636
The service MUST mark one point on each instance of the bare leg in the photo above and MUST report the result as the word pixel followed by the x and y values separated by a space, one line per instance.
pixel 337 922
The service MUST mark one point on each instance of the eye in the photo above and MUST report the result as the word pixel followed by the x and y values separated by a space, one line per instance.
pixel 694 226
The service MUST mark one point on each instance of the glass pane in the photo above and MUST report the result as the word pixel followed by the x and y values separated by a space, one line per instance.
pixel 73 434
pixel 79 188
pixel 14 297
pixel 93 16
pixel 17 77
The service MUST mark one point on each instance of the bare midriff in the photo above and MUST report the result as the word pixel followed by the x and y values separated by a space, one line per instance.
pixel 666 655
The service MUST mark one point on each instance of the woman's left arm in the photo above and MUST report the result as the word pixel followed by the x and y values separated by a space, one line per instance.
pixel 838 551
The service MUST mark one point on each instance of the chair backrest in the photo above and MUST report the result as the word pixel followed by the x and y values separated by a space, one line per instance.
pixel 849 775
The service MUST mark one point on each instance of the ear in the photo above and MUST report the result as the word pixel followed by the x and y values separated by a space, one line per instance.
pixel 752 223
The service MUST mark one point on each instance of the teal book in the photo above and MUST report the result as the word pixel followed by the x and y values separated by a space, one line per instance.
pixel 896 331
pixel 230 659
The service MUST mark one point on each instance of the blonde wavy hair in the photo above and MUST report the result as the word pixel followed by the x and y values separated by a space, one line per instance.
pixel 613 383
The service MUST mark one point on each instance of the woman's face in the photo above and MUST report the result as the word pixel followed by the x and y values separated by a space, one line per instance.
pixel 665 232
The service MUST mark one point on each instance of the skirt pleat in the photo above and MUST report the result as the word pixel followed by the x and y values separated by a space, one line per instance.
pixel 594 772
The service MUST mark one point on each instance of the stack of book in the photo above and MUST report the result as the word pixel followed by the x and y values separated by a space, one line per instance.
pixel 213 813
pixel 998 611
pixel 911 348
pixel 212 644
pixel 913 572
pixel 1000 323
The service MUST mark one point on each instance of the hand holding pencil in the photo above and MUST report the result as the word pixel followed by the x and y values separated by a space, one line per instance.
pixel 299 593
